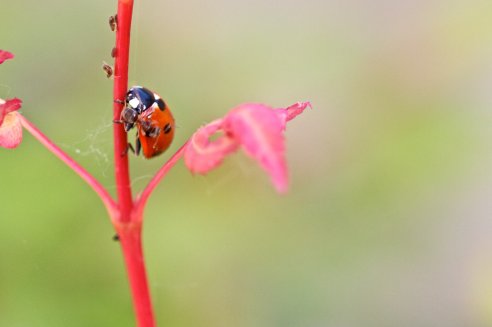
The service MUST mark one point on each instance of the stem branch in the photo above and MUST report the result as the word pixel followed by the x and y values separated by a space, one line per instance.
pixel 161 173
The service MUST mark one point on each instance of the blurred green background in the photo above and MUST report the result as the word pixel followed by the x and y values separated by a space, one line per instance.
pixel 387 222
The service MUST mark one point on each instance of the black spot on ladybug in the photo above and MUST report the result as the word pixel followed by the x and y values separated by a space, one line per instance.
pixel 116 237
pixel 167 128
pixel 161 104
pixel 138 146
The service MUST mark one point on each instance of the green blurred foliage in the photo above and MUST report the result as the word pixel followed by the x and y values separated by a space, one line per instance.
pixel 388 219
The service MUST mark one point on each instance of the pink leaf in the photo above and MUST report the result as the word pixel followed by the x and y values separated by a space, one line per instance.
pixel 8 106
pixel 259 130
pixel 5 55
pixel 202 154
pixel 11 131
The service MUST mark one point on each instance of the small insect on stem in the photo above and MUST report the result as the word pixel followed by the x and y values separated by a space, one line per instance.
pixel 113 22
pixel 114 52
pixel 108 69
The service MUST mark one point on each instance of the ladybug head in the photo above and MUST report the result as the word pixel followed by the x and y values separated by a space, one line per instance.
pixel 129 117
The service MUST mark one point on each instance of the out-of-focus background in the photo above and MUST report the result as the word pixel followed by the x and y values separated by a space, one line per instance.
pixel 388 220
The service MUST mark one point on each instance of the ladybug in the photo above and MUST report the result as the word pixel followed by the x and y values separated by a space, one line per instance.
pixel 150 114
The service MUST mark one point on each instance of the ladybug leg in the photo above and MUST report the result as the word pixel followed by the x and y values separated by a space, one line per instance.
pixel 138 146
pixel 118 101
pixel 128 126
pixel 129 147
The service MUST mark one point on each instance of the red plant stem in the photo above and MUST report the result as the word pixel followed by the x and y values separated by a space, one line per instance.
pixel 161 173
pixel 131 243
pixel 108 201
pixel 122 53
pixel 128 224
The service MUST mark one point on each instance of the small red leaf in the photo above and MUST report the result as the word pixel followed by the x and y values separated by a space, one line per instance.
pixel 8 106
pixel 11 131
pixel 5 55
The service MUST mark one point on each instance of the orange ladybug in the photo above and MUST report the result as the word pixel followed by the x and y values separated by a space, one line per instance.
pixel 153 118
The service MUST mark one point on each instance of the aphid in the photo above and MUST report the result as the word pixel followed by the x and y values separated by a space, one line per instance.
pixel 113 22
pixel 107 69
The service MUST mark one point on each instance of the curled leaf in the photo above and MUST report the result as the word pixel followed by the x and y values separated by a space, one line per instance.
pixel 257 128
pixel 202 154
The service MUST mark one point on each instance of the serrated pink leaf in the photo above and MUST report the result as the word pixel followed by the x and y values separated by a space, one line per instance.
pixel 258 128
pixel 11 131
pixel 5 55
pixel 8 106
pixel 202 154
